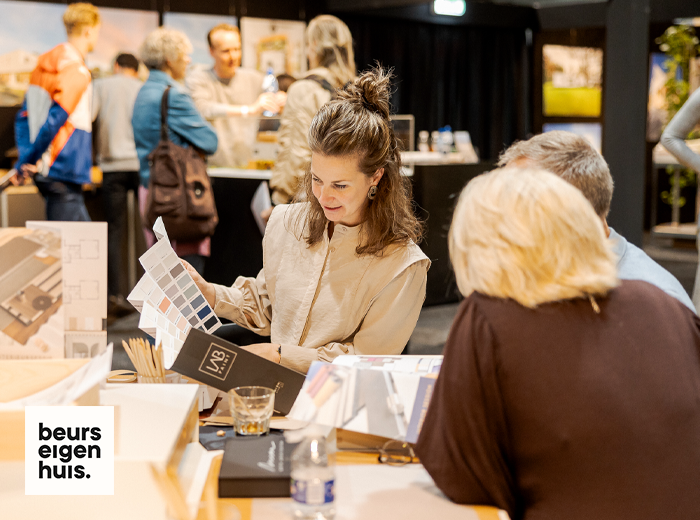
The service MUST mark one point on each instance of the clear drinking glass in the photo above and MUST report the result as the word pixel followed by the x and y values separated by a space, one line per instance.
pixel 251 409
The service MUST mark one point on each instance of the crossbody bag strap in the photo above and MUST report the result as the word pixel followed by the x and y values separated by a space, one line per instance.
pixel 164 115
pixel 323 82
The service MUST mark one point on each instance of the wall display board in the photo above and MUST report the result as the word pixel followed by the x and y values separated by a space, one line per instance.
pixel 592 132
pixel 657 113
pixel 196 27
pixel 657 110
pixel 53 290
pixel 122 30
pixel 274 43
pixel 572 81
pixel 18 53
pixel 84 289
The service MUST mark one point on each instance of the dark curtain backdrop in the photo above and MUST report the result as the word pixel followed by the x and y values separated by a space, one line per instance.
pixel 471 78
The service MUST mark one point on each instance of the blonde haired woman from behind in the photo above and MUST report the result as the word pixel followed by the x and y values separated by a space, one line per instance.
pixel 342 273
pixel 332 65
pixel 564 393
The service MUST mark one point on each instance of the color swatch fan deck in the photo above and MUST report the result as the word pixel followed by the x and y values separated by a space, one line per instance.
pixel 169 301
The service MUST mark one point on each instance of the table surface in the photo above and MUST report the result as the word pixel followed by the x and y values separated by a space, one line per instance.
pixel 149 420
pixel 365 490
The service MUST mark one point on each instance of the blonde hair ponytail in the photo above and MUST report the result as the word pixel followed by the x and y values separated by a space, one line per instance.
pixel 331 42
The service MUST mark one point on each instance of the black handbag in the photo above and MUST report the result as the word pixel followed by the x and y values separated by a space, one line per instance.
pixel 179 189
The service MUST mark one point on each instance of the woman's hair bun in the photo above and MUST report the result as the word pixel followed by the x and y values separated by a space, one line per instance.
pixel 372 89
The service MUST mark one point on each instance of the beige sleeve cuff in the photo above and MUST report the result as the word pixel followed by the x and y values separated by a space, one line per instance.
pixel 301 358
pixel 298 358
pixel 229 301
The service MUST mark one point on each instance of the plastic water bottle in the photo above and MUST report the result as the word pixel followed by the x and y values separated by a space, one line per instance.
pixel 446 139
pixel 271 86
pixel 313 479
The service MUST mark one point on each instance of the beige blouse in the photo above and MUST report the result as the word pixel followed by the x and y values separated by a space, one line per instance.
pixel 323 301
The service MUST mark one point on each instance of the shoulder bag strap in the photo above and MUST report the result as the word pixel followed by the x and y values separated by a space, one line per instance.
pixel 323 83
pixel 164 115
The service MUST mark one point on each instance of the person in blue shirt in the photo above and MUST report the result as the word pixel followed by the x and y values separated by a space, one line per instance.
pixel 572 158
pixel 166 54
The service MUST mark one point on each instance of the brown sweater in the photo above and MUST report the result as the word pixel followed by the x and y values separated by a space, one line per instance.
pixel 561 413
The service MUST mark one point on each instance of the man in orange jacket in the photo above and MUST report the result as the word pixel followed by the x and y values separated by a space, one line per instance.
pixel 53 127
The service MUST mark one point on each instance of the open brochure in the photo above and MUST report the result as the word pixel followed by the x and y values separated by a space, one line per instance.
pixel 379 395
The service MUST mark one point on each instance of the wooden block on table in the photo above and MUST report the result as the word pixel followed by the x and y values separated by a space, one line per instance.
pixel 22 378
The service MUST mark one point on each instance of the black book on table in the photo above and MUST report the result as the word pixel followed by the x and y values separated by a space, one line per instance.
pixel 223 365
pixel 256 467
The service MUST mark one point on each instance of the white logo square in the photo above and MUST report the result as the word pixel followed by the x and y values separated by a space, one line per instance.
pixel 69 450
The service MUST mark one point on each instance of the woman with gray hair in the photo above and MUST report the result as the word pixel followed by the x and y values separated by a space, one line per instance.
pixel 564 392
pixel 166 54
pixel 332 64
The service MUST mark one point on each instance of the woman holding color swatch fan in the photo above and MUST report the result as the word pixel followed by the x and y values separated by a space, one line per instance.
pixel 342 273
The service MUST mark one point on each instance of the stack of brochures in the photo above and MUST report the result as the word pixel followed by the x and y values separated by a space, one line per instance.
pixel 386 396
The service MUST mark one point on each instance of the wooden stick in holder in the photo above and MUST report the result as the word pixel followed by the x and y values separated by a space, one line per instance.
pixel 147 359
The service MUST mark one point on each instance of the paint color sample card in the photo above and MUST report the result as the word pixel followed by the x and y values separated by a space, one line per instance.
pixel 175 294
pixel 169 301
pixel 171 346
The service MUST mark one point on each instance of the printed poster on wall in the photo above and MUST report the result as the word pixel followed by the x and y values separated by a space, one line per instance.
pixel 591 132
pixel 278 44
pixel 196 27
pixel 572 81
pixel 122 30
pixel 657 110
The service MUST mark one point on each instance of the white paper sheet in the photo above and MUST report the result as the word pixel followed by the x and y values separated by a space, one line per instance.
pixel 261 201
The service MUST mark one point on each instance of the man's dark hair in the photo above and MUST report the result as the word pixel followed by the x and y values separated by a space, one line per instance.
pixel 127 61
pixel 284 81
